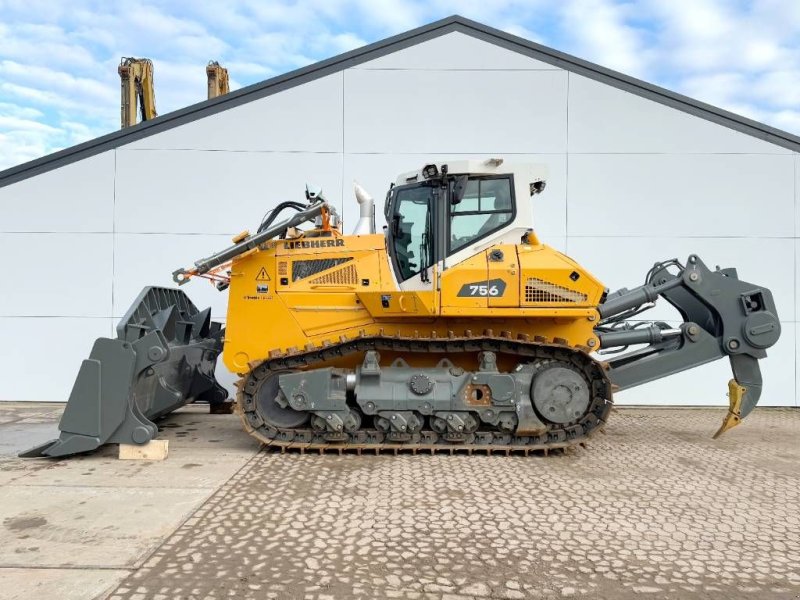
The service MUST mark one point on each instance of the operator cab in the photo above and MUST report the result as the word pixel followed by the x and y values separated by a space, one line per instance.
pixel 445 214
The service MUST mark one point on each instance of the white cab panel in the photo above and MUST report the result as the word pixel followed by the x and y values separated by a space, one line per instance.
pixel 214 192
pixel 747 195
pixel 495 112
pixel 149 259
pixel 76 197
pixel 47 355
pixel 375 172
pixel 624 262
pixel 306 118
pixel 57 275
pixel 603 118
pixel 456 51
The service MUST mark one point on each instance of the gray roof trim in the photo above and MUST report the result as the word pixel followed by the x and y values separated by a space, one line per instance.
pixel 382 48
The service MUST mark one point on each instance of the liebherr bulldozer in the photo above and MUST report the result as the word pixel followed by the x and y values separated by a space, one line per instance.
pixel 453 329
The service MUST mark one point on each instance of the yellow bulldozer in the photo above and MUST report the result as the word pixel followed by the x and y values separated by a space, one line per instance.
pixel 454 328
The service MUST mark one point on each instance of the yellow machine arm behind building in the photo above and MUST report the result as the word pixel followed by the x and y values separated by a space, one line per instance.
pixel 217 76
pixel 136 80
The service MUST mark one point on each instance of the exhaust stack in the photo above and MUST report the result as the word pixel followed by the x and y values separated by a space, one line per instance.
pixel 366 211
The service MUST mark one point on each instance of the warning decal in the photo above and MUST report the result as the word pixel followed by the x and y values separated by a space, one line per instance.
pixel 262 275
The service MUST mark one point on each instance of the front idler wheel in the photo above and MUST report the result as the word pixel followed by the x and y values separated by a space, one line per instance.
pixel 273 407
pixel 560 394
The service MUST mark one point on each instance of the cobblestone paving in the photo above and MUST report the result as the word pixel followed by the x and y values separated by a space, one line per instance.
pixel 653 508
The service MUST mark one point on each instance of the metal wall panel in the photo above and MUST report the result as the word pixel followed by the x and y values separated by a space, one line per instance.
pixel 180 191
pixel 77 197
pixel 797 195
pixel 455 51
pixel 57 275
pixel 605 119
pixel 455 111
pixel 749 195
pixel 624 261
pixel 307 118
pixel 796 276
pixel 797 235
pixel 149 259
pixel 46 355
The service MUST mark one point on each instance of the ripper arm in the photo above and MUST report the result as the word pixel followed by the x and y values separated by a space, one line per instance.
pixel 723 316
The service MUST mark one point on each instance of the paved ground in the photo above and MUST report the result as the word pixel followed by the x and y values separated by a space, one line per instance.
pixel 73 529
pixel 652 509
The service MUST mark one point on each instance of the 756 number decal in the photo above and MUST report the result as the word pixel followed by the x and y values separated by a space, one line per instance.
pixel 494 288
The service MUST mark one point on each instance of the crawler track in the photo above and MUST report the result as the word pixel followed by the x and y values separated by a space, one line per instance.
pixel 484 441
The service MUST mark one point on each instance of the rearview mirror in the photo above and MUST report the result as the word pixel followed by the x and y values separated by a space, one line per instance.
pixel 459 188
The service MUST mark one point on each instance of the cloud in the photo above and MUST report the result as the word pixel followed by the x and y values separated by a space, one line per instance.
pixel 22 112
pixel 15 123
pixel 42 44
pixel 743 57
pixel 59 61
pixel 58 81
pixel 787 119
pixel 601 29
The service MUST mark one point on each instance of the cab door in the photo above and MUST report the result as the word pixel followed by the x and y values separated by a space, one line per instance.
pixel 477 276
pixel 411 240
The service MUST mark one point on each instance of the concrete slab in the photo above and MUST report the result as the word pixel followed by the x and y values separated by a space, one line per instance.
pixel 88 526
pixel 17 436
pixel 186 468
pixel 193 427
pixel 11 470
pixel 98 511
pixel 64 584
pixel 41 418
pixel 205 450
pixel 32 412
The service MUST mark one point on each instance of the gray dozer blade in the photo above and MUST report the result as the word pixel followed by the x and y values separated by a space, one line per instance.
pixel 163 358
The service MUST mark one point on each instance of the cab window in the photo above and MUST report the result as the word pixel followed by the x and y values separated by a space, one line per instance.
pixel 411 230
pixel 487 205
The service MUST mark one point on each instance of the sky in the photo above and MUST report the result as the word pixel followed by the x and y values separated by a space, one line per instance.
pixel 58 60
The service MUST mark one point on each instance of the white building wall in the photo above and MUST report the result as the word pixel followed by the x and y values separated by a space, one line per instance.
pixel 797 274
pixel 56 240
pixel 631 182
pixel 647 182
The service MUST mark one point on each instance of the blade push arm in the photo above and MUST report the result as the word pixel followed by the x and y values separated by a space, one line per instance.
pixel 722 315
